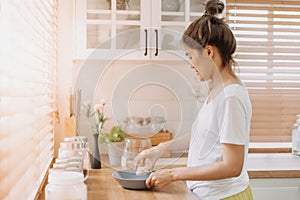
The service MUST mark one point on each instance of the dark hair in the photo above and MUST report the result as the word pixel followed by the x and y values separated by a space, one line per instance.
pixel 211 30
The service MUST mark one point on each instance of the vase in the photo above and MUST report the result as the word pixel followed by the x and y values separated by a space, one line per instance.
pixel 115 152
pixel 96 162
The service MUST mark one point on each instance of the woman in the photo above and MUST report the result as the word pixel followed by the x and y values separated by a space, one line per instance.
pixel 218 144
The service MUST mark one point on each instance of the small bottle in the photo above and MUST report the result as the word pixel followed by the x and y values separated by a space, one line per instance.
pixel 127 157
pixel 124 160
pixel 66 185
pixel 296 137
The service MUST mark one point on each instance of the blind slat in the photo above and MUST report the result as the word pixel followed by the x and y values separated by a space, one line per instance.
pixel 270 86
pixel 269 37
pixel 266 44
pixel 262 15
pixel 273 57
pixel 259 49
pixel 267 64
pixel 281 71
pixel 258 92
pixel 255 5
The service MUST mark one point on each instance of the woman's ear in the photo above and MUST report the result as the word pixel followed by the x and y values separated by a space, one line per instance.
pixel 210 51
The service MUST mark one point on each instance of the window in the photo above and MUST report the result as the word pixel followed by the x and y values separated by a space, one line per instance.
pixel 268 35
pixel 27 94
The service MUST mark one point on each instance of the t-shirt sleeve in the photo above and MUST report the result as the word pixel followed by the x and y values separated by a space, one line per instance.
pixel 233 128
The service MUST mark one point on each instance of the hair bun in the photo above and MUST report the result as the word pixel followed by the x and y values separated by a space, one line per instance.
pixel 214 7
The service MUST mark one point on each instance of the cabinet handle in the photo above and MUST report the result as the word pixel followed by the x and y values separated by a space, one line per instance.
pixel 146 37
pixel 156 49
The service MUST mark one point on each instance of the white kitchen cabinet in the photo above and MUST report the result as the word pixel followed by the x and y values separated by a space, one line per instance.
pixel 276 188
pixel 132 29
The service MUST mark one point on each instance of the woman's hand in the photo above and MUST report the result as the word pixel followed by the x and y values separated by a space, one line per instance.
pixel 148 157
pixel 160 178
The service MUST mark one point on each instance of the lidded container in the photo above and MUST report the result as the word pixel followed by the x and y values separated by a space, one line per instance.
pixel 66 185
pixel 79 147
pixel 296 137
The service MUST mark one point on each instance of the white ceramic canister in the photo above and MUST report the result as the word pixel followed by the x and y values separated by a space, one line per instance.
pixel 66 185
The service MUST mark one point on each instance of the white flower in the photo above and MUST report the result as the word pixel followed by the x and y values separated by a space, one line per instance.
pixel 96 117
pixel 98 107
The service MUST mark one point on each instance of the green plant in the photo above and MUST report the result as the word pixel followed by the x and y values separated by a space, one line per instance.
pixel 116 134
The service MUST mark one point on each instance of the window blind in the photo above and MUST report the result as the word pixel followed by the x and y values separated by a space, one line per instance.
pixel 268 39
pixel 27 94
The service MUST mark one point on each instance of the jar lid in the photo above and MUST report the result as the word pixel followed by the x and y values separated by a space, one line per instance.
pixel 78 145
pixel 68 159
pixel 66 145
pixel 76 138
pixel 65 177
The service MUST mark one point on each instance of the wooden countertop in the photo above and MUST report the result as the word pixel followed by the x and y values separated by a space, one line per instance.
pixel 101 185
pixel 273 165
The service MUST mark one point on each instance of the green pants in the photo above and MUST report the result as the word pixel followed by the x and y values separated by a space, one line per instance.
pixel 244 195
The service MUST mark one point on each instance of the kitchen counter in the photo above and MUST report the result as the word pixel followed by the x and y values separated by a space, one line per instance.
pixel 100 182
pixel 101 185
pixel 273 165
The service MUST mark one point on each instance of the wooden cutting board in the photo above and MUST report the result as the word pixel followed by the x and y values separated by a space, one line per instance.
pixel 70 127
pixel 155 139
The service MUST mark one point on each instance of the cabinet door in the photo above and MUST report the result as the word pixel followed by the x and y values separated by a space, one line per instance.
pixel 170 18
pixel 132 29
pixel 275 188
pixel 111 29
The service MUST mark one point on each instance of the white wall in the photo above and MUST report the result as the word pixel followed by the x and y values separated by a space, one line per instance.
pixel 141 88
pixel 151 95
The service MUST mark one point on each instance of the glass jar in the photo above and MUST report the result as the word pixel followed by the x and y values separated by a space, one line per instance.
pixel 66 150
pixel 80 146
pixel 133 146
pixel 66 185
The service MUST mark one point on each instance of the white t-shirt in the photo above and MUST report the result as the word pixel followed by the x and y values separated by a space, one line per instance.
pixel 226 119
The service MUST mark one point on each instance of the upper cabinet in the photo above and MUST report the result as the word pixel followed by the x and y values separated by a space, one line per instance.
pixel 132 29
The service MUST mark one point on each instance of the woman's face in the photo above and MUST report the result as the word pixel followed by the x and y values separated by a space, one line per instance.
pixel 201 63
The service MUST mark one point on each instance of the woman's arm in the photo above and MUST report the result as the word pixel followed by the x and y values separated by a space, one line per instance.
pixel 179 143
pixel 230 166
pixel 154 153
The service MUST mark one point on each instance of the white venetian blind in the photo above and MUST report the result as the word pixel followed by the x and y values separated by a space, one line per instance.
pixel 27 94
pixel 268 55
